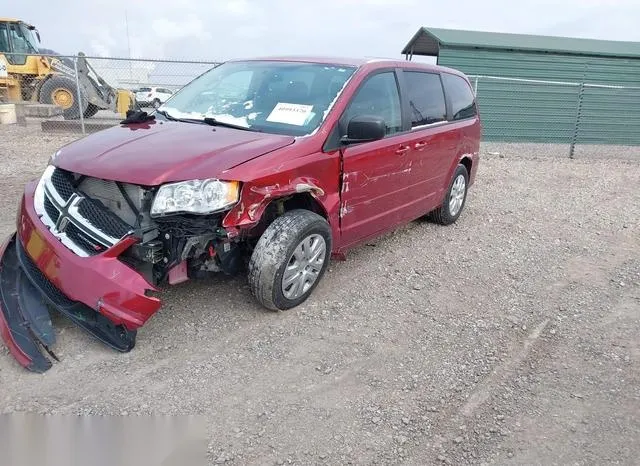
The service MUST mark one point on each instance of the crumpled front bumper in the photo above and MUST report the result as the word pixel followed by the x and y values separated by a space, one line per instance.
pixel 100 294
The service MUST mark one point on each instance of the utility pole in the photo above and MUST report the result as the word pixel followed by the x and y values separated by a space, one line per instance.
pixel 126 22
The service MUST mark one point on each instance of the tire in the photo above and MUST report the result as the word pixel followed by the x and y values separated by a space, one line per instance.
pixel 67 87
pixel 90 111
pixel 274 252
pixel 449 211
pixel 156 103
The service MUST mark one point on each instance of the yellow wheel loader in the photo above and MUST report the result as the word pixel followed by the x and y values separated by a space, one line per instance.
pixel 28 75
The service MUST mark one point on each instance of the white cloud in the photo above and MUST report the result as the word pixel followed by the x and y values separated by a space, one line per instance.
pixel 222 29
pixel 237 7
pixel 168 29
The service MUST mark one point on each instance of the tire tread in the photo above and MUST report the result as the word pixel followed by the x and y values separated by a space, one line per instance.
pixel 273 248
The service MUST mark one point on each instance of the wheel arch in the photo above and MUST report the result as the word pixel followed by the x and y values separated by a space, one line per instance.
pixel 467 161
pixel 256 200
pixel 465 158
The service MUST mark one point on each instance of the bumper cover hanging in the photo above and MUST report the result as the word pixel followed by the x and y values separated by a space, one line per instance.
pixel 27 296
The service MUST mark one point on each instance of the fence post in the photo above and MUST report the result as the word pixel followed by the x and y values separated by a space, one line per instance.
pixel 576 128
pixel 475 86
pixel 78 93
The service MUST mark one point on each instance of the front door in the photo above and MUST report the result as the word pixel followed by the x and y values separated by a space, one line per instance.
pixel 376 175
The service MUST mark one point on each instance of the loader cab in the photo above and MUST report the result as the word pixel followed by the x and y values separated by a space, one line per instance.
pixel 18 40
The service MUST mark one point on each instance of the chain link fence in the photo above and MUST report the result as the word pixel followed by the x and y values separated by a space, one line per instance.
pixel 570 118
pixel 81 95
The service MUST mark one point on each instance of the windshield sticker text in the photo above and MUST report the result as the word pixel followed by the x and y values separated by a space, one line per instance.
pixel 291 114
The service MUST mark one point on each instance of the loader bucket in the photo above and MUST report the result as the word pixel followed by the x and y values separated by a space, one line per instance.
pixel 125 101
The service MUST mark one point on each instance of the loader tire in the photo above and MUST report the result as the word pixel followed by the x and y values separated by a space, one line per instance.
pixel 62 91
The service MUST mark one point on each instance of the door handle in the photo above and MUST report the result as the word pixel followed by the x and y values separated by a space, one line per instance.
pixel 421 145
pixel 402 150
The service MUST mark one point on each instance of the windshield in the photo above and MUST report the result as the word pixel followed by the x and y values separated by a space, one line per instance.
pixel 30 39
pixel 290 98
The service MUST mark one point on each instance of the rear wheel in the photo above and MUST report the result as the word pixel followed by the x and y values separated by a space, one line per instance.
pixel 455 199
pixel 290 259
pixel 62 91
pixel 156 103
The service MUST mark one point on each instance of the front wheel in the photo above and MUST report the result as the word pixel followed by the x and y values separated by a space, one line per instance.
pixel 290 259
pixel 62 91
pixel 156 103
pixel 455 199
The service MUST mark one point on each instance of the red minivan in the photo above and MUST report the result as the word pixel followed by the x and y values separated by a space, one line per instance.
pixel 270 166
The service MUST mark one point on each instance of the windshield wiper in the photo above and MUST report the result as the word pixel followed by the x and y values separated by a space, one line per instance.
pixel 167 116
pixel 213 122
pixel 206 120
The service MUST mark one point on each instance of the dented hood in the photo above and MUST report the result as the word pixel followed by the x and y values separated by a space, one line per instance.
pixel 163 151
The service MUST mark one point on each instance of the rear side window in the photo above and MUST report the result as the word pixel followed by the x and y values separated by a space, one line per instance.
pixel 463 102
pixel 426 98
pixel 144 89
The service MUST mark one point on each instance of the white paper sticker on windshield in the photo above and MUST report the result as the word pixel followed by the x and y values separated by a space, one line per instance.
pixel 291 114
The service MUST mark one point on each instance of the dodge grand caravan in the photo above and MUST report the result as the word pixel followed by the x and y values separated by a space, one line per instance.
pixel 269 166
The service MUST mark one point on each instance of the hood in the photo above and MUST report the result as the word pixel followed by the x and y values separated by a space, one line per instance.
pixel 162 151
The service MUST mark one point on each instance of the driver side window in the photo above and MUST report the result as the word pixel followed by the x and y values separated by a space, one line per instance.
pixel 378 96
pixel 4 39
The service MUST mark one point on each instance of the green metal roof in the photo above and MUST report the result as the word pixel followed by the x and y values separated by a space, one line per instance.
pixel 427 41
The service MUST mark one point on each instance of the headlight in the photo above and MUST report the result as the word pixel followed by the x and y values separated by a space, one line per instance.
pixel 196 197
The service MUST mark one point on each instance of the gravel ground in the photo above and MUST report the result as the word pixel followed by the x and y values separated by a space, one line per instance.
pixel 510 337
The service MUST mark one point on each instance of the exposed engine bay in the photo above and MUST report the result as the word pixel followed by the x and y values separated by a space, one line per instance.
pixel 89 215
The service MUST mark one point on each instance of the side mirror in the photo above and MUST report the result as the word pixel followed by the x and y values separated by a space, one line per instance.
pixel 364 128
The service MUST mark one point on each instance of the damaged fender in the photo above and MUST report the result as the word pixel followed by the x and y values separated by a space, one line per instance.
pixel 255 200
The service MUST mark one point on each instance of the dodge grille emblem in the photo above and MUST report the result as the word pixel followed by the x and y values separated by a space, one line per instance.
pixel 65 216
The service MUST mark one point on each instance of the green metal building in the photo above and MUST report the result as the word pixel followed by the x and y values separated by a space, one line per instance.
pixel 543 88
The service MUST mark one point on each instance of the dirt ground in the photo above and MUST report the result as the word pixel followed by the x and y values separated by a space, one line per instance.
pixel 510 337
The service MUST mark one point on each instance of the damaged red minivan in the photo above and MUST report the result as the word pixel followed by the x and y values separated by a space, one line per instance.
pixel 269 166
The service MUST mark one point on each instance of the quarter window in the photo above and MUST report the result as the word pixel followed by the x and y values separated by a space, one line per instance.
pixel 426 98
pixel 379 97
pixel 463 102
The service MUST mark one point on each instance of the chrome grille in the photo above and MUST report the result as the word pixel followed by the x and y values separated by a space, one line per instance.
pixel 80 223
pixel 63 183
pixel 51 210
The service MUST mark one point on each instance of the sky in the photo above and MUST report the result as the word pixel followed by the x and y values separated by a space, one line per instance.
pixel 221 29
